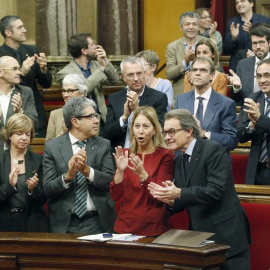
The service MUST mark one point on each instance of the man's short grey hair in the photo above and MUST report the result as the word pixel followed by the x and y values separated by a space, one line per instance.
pixel 7 23
pixel 205 60
pixel 131 60
pixel 189 14
pixel 77 80
pixel 186 120
pixel 75 107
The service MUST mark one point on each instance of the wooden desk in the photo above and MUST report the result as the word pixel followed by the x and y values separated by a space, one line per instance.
pixel 64 251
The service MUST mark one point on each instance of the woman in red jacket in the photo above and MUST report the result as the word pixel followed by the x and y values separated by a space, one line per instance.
pixel 148 160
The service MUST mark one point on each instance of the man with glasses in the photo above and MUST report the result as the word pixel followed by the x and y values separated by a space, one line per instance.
pixel 246 68
pixel 215 113
pixel 203 185
pixel 77 171
pixel 90 60
pixel 237 29
pixel 122 103
pixel 254 125
pixel 33 64
pixel 14 98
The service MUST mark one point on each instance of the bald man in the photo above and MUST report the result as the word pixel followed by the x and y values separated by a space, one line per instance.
pixel 14 98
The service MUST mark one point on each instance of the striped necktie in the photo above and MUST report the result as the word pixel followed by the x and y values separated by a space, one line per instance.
pixel 263 154
pixel 80 207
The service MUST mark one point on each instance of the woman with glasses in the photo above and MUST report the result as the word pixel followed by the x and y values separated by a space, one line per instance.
pixel 21 189
pixel 148 160
pixel 73 86
pixel 207 48
pixel 208 27
pixel 151 61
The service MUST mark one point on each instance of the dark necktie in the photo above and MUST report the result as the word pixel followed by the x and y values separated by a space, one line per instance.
pixel 80 206
pixel 199 113
pixel 186 164
pixel 263 154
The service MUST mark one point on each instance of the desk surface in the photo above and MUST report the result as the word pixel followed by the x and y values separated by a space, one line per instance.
pixel 64 251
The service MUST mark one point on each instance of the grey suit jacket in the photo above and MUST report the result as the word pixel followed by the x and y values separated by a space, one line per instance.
pixel 220 117
pixel 245 70
pixel 262 126
pixel 55 124
pixel 57 154
pixel 208 194
pixel 28 106
pixel 175 54
pixel 94 81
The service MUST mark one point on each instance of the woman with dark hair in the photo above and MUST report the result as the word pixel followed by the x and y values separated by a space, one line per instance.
pixel 207 48
pixel 148 160
pixel 21 190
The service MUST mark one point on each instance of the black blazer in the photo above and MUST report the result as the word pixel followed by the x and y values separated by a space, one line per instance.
pixel 36 219
pixel 112 130
pixel 30 80
pixel 262 126
pixel 210 198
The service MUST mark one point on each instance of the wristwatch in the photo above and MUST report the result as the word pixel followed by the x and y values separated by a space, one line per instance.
pixel 207 135
pixel 66 180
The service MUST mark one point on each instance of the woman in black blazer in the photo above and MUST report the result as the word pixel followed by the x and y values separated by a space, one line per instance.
pixel 21 190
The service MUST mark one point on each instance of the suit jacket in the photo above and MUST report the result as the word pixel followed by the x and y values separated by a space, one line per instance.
pixel 230 46
pixel 35 219
pixel 220 117
pixel 55 124
pixel 28 106
pixel 31 79
pixel 175 54
pixel 245 70
pixel 94 81
pixel 262 126
pixel 209 196
pixel 57 153
pixel 112 130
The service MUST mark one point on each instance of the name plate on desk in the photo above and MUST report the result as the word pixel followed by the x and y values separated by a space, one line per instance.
pixel 184 238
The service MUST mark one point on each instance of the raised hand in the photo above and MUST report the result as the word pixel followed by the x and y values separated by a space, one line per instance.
pixel 234 30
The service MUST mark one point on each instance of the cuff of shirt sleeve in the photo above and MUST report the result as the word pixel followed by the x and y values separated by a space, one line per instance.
pixel 91 175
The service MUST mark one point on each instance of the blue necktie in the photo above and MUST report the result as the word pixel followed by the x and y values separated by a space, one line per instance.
pixel 263 154
pixel 199 113
pixel 186 164
pixel 80 207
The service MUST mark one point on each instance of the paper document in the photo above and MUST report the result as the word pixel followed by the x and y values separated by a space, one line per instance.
pixel 184 238
pixel 100 237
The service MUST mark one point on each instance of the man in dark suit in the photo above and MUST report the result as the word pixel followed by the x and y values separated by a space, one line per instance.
pixel 77 171
pixel 216 114
pixel 254 125
pixel 204 186
pixel 90 60
pixel 33 63
pixel 246 68
pixel 122 103
pixel 14 98
pixel 238 27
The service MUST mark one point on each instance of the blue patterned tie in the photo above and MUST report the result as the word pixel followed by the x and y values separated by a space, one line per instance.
pixel 263 154
pixel 199 113
pixel 80 207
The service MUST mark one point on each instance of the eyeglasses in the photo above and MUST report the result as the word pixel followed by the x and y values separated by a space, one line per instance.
pixel 171 132
pixel 13 69
pixel 264 75
pixel 205 17
pixel 255 43
pixel 132 75
pixel 201 70
pixel 68 91
pixel 89 116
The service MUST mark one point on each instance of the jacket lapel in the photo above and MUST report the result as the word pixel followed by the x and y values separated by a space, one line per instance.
pixel 91 149
pixel 65 148
pixel 210 110
pixel 195 158
pixel 179 177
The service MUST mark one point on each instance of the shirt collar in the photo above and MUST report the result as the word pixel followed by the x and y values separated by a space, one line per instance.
pixel 128 89
pixel 73 140
pixel 206 95
pixel 258 60
pixel 190 148
pixel 81 68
